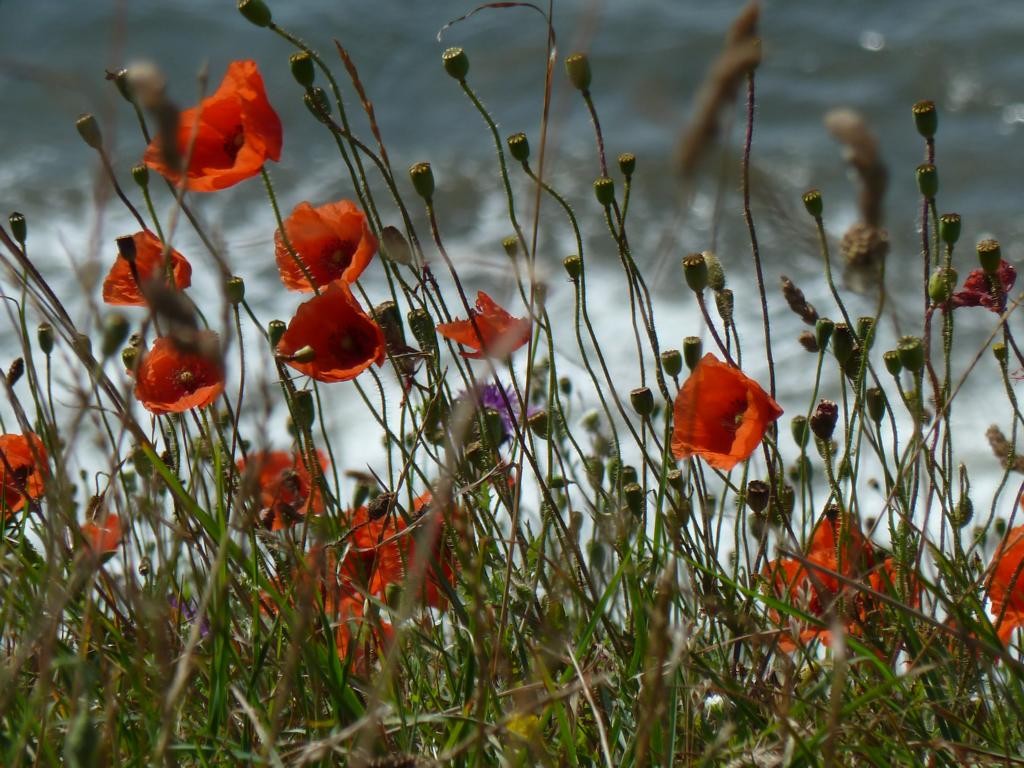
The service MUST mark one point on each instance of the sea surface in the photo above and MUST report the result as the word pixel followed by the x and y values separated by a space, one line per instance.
pixel 649 58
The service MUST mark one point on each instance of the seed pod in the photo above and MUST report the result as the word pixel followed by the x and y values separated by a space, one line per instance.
pixel 942 284
pixel 234 290
pixel 843 342
pixel 577 67
pixel 949 228
pixel 926 118
pixel 256 12
pixel 695 270
pixel 303 71
pixel 19 229
pixel 140 175
pixel 823 330
pixel 115 331
pixel 928 181
pixel 573 266
pixel 539 423
pixel 911 352
pixel 875 400
pixel 456 63
pixel 798 426
pixel 823 420
pixel 866 331
pixel 642 400
pixel 627 164
pixel 892 362
pixel 990 256
pixel 89 130
pixel 422 180
pixel 693 349
pixel 275 330
pixel 813 203
pixel 519 147
pixel 672 362
pixel 758 494
pixel 999 352
pixel 634 496
pixel 604 191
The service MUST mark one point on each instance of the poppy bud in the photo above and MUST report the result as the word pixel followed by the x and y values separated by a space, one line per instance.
pixel 303 409
pixel 843 342
pixel 519 147
pixel 115 331
pixel 89 130
pixel 422 326
pixel 928 180
pixel 275 330
pixel 45 335
pixel 129 356
pixel 318 104
pixel 674 478
pixel 627 163
pixel 963 512
pixel 990 255
pixel 15 371
pixel 539 423
pixel 808 341
pixel 234 290
pixel 758 493
pixel 304 354
pixel 577 67
pixel 823 420
pixel 724 302
pixel 388 317
pixel 642 401
pixel 422 180
pixel 573 266
pixel 911 353
pixel 695 270
pixel 949 228
pixel 18 227
pixel 511 246
pixel 255 11
pixel 126 248
pixel 594 468
pixel 851 366
pixel 120 79
pixel 604 191
pixel 866 331
pixel 693 349
pixel 892 362
pixel 140 175
pixel 716 275
pixel 456 63
pixel 875 399
pixel 823 329
pixel 999 352
pixel 634 496
pixel 798 426
pixel 813 203
pixel 672 362
pixel 926 119
pixel 301 64
pixel 941 284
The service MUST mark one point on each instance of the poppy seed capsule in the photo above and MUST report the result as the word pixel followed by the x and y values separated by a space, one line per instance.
pixel 129 357
pixel 634 496
pixel 926 118
pixel 928 180
pixel 234 290
pixel 642 400
pixel 511 246
pixel 911 352
pixel 693 351
pixel 758 493
pixel 115 331
pixel 389 318
pixel 318 104
pixel 604 191
pixel 303 408
pixel 843 342
pixel 89 130
pixel 941 284
pixel 44 333
pixel 627 164
pixel 573 266
pixel 539 423
pixel 823 330
pixel 813 203
pixel 672 362
pixel 255 11
pixel 892 362
pixel 519 147
pixel 275 330
pixel 695 270
pixel 422 180
pixel 999 352
pixel 140 175
pixel 301 64
pixel 823 420
pixel 875 399
pixel 949 228
pixel 990 255
pixel 18 227
pixel 15 371
pixel 577 67
pixel 798 426
pixel 456 63
pixel 120 79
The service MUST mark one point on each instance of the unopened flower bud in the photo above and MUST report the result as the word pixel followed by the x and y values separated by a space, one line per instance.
pixel 798 426
pixel 911 353
pixel 255 11
pixel 823 330
pixel 519 147
pixel 990 256
pixel 758 494
pixel 627 164
pixel 813 203
pixel 15 371
pixel 423 330
pixel 120 79
pixel 875 399
pixel 634 495
pixel 19 229
pixel 942 284
pixel 303 409
pixel 275 330
pixel 672 362
pixel 577 67
pixel 422 180
pixel 892 362
pixel 604 191
pixel 456 63
pixel 716 275
pixel 317 103
pixel 823 420
pixel 234 290
pixel 115 331
pixel 724 302
pixel 949 228
pixel 594 468
pixel 642 400
pixel 695 270
pixel 89 130
pixel 866 331
pixel 928 180
pixel 389 318
pixel 693 349
pixel 843 342
pixel 926 118
pixel 45 335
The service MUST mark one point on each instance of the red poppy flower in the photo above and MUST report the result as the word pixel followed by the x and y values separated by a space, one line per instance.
pixel 720 415
pixel 120 286
pixel 1006 583
pixel 490 331
pixel 334 242
pixel 979 291
pixel 237 132
pixel 171 380
pixel 23 470
pixel 284 486
pixel 103 539
pixel 344 339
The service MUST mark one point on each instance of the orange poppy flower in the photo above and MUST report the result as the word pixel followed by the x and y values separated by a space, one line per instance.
pixel 23 469
pixel 284 486
pixel 120 286
pixel 238 131
pixel 171 380
pixel 490 331
pixel 344 339
pixel 334 242
pixel 720 415
pixel 1006 583
pixel 103 539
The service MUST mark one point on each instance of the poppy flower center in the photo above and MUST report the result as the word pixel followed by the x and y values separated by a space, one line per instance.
pixel 234 143
pixel 186 378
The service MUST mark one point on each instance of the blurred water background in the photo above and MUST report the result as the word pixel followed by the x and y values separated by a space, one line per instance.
pixel 649 58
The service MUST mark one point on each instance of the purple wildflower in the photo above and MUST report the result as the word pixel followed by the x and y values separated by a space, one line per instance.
pixel 186 611
pixel 489 396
